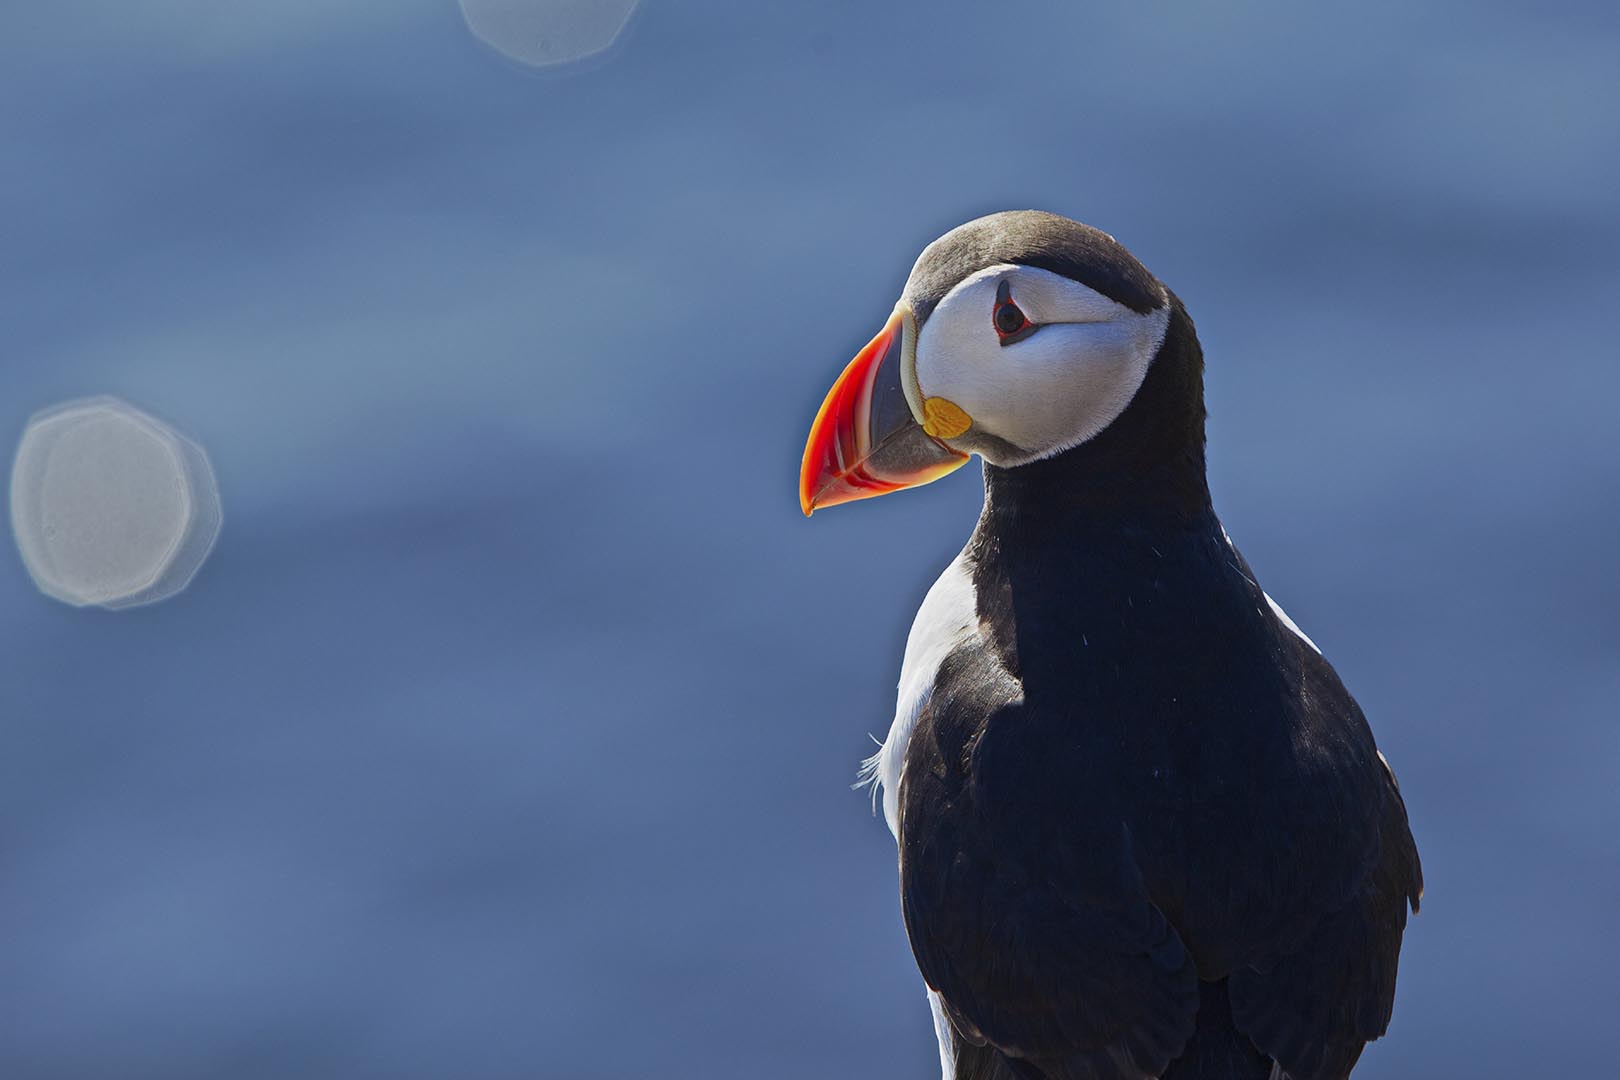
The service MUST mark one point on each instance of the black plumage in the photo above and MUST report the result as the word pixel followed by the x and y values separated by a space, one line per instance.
pixel 1144 829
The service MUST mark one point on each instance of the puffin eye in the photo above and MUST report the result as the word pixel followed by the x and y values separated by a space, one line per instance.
pixel 1009 320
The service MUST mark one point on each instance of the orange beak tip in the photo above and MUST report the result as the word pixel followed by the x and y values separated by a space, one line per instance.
pixel 865 441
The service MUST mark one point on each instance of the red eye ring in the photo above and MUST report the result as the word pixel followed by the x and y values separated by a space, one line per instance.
pixel 1008 318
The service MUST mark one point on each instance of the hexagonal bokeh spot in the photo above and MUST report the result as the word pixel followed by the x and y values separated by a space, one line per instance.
pixel 110 506
pixel 541 33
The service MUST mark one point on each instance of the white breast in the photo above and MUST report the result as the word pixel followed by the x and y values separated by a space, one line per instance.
pixel 948 617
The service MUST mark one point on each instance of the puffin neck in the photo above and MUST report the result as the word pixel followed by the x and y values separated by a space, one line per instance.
pixel 1144 469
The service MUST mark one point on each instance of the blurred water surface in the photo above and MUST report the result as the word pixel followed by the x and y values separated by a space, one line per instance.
pixel 508 730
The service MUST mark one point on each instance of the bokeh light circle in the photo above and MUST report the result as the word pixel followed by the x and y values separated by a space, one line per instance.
pixel 110 506
pixel 542 33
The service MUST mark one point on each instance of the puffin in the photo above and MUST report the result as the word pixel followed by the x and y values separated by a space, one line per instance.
pixel 1143 828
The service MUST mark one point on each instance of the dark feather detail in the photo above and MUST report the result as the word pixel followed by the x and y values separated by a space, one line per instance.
pixel 1049 950
pixel 1218 1050
pixel 1032 238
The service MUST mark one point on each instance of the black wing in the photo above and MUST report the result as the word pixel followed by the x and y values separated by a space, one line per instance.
pixel 1050 950
pixel 1323 985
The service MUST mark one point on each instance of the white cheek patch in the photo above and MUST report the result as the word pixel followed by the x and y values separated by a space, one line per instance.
pixel 1055 389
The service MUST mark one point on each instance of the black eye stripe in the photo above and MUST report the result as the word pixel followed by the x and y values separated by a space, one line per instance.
pixel 1008 318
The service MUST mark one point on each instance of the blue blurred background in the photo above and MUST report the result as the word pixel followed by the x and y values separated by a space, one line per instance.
pixel 509 730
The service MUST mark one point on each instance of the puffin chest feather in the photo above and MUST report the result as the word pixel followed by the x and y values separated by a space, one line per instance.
pixel 947 619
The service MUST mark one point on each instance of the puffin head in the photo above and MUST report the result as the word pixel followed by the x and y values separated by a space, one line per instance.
pixel 1020 337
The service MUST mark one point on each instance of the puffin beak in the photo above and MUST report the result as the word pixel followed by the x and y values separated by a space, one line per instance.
pixel 866 439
